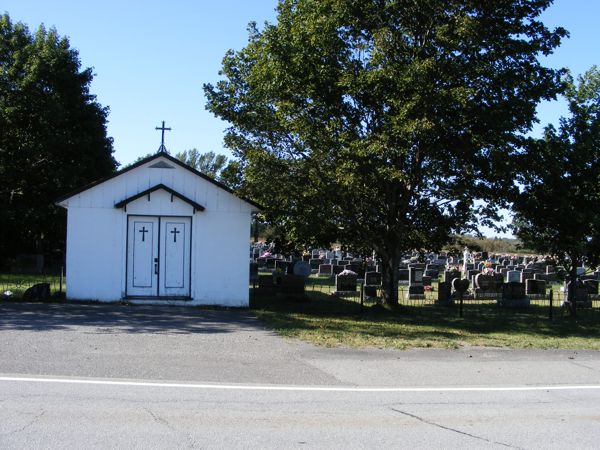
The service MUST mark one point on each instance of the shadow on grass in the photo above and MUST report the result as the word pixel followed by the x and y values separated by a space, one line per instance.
pixel 482 324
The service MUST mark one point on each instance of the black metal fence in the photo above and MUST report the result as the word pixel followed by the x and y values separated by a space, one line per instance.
pixel 14 285
pixel 551 305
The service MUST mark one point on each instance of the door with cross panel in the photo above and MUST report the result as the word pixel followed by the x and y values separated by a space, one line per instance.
pixel 158 256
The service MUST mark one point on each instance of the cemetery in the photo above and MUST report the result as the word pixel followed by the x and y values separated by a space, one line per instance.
pixel 427 282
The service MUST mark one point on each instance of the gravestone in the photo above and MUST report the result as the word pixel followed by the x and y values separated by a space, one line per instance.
pixel 292 285
pixel 535 287
pixel 450 275
pixel 416 288
pixel 403 275
pixel 541 276
pixel 337 269
pixel 325 270
pixel 472 273
pixel 513 276
pixel 444 293
pixel 372 279
pixel 282 266
pixel 356 268
pixel 527 276
pixel 314 263
pixel 460 286
pixel 40 291
pixel 591 286
pixel 426 280
pixel 550 269
pixel 433 273
pixel 266 283
pixel 488 284
pixel 345 283
pixel 302 268
pixel 270 263
pixel 513 295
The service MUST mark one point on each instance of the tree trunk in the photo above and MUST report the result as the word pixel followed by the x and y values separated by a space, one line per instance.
pixel 389 286
pixel 571 291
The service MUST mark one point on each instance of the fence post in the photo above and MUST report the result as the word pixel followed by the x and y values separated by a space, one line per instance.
pixel 551 312
pixel 460 309
pixel 61 279
pixel 362 296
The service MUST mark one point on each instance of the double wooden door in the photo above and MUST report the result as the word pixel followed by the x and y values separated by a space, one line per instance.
pixel 158 256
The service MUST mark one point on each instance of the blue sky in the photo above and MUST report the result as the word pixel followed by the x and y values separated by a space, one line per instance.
pixel 151 59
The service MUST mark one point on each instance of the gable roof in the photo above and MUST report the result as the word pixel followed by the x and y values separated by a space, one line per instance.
pixel 123 203
pixel 151 158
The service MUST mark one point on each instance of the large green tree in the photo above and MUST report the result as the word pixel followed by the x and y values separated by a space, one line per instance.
pixel 379 123
pixel 558 211
pixel 208 163
pixel 52 135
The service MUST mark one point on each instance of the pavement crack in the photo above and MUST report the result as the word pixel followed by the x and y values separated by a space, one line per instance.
pixel 582 365
pixel 454 430
pixel 27 425
pixel 164 422
pixel 159 419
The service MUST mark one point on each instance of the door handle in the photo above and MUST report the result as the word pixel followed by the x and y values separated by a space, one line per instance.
pixel 155 266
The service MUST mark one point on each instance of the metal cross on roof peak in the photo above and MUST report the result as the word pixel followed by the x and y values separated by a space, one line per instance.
pixel 162 147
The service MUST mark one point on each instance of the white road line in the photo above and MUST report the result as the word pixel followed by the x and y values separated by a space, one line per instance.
pixel 300 388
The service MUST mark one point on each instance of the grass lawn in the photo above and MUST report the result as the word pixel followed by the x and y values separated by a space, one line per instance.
pixel 330 321
pixel 19 283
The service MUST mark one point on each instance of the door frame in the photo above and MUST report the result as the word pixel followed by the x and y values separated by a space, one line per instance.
pixel 127 274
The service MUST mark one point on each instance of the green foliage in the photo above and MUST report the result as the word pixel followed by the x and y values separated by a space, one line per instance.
pixel 483 244
pixel 214 165
pixel 558 211
pixel 53 135
pixel 208 163
pixel 378 124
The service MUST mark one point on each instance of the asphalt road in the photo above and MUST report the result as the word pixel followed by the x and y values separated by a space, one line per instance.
pixel 217 379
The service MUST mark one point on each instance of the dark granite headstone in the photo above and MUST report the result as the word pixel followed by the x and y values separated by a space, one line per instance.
pixel 460 286
pixel 345 283
pixel 415 276
pixel 266 282
pixel 535 287
pixel 433 273
pixel 403 274
pixel 513 295
pixel 337 269
pixel 325 270
pixel 372 279
pixel 40 291
pixel 314 263
pixel 444 293
pixel 292 285
pixel 302 268
pixel 527 276
pixel 450 275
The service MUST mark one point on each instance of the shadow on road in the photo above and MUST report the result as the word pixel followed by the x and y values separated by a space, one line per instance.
pixel 123 318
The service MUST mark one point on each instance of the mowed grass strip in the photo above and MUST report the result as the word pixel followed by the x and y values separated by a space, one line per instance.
pixel 328 321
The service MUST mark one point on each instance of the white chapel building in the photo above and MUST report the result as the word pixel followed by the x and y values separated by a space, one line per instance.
pixel 158 231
